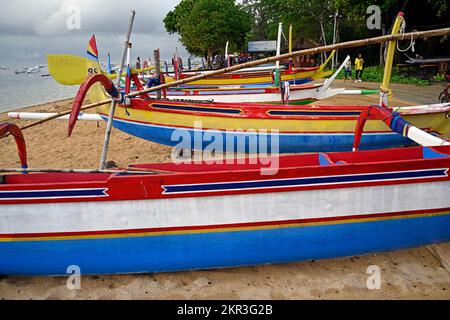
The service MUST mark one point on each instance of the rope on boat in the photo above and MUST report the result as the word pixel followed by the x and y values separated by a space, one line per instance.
pixel 412 42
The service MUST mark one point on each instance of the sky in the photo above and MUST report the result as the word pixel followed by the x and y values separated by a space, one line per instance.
pixel 30 29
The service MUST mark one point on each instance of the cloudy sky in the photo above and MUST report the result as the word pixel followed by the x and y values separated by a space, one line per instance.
pixel 30 29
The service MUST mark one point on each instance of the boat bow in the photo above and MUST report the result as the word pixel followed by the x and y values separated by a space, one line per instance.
pixel 15 131
pixel 81 95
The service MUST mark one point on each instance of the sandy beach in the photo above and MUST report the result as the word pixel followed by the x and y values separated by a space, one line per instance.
pixel 420 273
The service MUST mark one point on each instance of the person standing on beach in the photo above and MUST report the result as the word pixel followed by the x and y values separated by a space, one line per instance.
pixel 359 66
pixel 348 70
pixel 138 63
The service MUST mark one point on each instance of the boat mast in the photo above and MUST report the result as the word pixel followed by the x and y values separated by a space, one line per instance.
pixel 385 90
pixel 277 64
pixel 226 55
pixel 128 67
pixel 290 46
pixel 129 55
pixel 113 101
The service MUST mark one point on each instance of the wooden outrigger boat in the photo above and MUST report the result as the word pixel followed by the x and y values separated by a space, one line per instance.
pixel 298 94
pixel 299 129
pixel 245 79
pixel 170 217
pixel 259 92
pixel 221 89
pixel 223 213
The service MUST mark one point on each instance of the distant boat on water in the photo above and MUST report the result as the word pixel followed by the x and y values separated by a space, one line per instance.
pixel 20 71
pixel 4 67
pixel 32 70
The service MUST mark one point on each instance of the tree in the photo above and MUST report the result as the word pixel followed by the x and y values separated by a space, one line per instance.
pixel 266 16
pixel 311 19
pixel 201 25
pixel 173 20
pixel 205 26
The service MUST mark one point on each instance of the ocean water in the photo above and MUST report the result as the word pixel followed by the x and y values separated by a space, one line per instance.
pixel 23 90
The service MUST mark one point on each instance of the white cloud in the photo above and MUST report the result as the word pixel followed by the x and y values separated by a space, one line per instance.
pixel 33 28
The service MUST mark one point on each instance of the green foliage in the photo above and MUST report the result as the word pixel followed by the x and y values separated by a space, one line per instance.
pixel 439 6
pixel 305 16
pixel 439 77
pixel 375 74
pixel 311 19
pixel 173 20
pixel 204 26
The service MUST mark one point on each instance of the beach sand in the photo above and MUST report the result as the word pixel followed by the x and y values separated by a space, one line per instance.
pixel 407 274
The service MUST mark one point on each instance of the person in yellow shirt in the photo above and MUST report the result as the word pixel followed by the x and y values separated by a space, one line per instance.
pixel 359 66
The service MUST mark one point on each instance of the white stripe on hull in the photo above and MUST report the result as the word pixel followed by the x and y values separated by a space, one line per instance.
pixel 316 93
pixel 238 98
pixel 116 215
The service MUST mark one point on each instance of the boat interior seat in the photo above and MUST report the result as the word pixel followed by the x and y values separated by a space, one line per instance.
pixel 325 160
pixel 431 153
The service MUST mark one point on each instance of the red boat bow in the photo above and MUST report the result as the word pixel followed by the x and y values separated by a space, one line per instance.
pixel 392 119
pixel 81 94
pixel 11 128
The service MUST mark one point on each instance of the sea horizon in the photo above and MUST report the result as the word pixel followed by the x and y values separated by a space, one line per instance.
pixel 24 90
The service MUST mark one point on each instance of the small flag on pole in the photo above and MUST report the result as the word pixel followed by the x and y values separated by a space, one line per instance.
pixel 92 51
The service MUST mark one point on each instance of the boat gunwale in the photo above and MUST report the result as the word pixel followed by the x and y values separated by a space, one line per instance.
pixel 415 161
pixel 261 111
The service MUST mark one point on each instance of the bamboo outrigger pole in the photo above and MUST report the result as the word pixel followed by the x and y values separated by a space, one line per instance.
pixel 114 102
pixel 62 170
pixel 343 45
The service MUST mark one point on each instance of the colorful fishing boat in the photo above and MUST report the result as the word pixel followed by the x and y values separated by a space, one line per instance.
pixel 288 94
pixel 257 78
pixel 276 90
pixel 170 217
pixel 327 128
pixel 224 212
pixel 244 86
pixel 299 129
pixel 298 94
pixel 70 70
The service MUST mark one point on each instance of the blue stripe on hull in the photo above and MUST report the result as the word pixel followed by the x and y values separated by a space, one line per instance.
pixel 220 249
pixel 287 142
pixel 280 183
pixel 67 193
